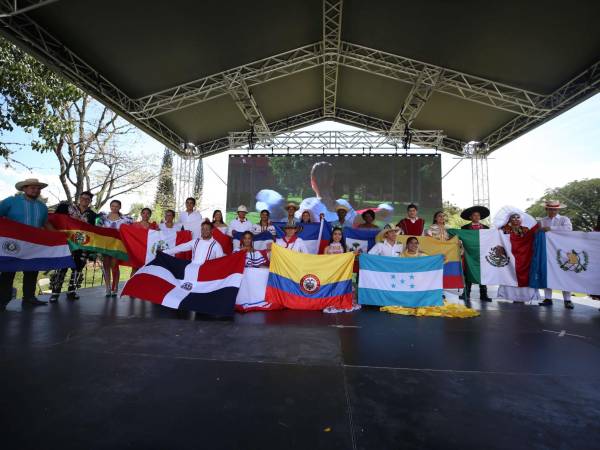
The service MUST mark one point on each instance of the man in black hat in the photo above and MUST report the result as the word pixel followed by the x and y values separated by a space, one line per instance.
pixel 475 214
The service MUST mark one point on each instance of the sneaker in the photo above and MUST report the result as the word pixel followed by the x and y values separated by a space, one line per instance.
pixel 114 294
pixel 108 293
pixel 54 298
pixel 33 301
pixel 546 302
pixel 569 304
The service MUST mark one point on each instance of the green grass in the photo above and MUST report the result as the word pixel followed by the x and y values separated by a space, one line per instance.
pixel 91 278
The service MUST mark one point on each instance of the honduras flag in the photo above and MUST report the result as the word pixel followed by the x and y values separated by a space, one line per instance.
pixel 408 282
pixel 360 238
pixel 316 235
pixel 26 248
pixel 210 288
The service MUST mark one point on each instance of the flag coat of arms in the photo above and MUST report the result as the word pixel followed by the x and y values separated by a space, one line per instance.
pixel 408 282
pixel 143 245
pixel 83 236
pixel 567 261
pixel 304 281
pixel 209 288
pixel 360 238
pixel 26 248
pixel 495 258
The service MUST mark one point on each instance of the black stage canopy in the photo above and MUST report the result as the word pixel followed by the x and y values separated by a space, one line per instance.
pixel 193 71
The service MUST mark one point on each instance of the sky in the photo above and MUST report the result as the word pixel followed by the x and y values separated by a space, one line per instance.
pixel 564 149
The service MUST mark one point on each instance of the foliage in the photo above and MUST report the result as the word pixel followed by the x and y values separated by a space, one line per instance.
pixel 582 198
pixel 165 191
pixel 453 215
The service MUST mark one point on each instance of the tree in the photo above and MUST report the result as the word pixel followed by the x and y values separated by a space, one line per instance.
pixel 199 180
pixel 582 198
pixel 165 191
pixel 453 215
pixel 83 135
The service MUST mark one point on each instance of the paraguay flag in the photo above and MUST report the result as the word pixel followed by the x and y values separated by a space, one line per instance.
pixel 210 288
pixel 26 248
pixel 302 281
pixel 143 245
pixel 408 282
pixel 261 240
pixel 316 235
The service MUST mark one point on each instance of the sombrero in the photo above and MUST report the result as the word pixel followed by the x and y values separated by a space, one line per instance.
pixel 292 205
pixel 29 182
pixel 466 214
pixel 554 204
pixel 381 235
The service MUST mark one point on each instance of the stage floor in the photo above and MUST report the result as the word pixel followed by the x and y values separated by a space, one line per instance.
pixel 121 373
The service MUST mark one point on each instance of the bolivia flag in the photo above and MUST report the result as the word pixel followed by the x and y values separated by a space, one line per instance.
pixel 26 248
pixel 453 275
pixel 494 258
pixel 142 245
pixel 301 281
pixel 83 236
pixel 567 261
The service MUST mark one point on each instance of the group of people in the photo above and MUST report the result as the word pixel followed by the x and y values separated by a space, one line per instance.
pixel 26 207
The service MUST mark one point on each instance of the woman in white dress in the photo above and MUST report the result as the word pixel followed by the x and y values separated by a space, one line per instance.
pixel 254 258
pixel 218 221
pixel 264 224
pixel 110 265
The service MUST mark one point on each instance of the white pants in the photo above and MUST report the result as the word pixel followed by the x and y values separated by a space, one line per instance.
pixel 566 294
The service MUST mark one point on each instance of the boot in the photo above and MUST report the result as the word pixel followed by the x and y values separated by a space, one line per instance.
pixel 483 296
pixel 569 304
pixel 546 302
pixel 72 296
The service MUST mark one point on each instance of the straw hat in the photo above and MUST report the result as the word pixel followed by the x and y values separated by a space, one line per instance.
pixel 342 207
pixel 292 205
pixel 383 233
pixel 242 208
pixel 29 182
pixel 482 210
pixel 554 204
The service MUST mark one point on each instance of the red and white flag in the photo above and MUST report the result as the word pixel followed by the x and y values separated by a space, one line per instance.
pixel 142 244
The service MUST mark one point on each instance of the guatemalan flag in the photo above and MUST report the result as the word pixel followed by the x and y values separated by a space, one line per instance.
pixel 408 282
pixel 316 235
pixel 26 248
pixel 209 288
pixel 143 245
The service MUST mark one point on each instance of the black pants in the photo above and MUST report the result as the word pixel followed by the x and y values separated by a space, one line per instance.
pixel 58 276
pixel 6 284
pixel 482 290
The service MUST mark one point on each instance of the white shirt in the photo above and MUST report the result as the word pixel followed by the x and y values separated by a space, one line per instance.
pixel 386 249
pixel 557 223
pixel 296 246
pixel 202 250
pixel 239 226
pixel 257 229
pixel 191 221
pixel 163 226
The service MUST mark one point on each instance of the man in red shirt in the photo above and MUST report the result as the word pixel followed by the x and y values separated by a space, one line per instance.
pixel 411 225
pixel 475 214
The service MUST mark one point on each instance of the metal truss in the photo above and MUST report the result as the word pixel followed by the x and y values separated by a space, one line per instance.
pixel 9 8
pixel 332 32
pixel 414 102
pixel 247 105
pixel 574 91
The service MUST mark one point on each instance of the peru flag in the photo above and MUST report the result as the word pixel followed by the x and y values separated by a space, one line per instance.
pixel 210 288
pixel 142 245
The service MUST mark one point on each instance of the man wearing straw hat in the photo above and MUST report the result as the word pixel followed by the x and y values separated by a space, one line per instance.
pixel 555 222
pixel 291 241
pixel 291 209
pixel 341 211
pixel 386 242
pixel 25 207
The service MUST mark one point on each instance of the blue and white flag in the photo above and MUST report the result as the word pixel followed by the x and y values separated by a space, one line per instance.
pixel 316 235
pixel 408 282
pixel 261 240
pixel 361 238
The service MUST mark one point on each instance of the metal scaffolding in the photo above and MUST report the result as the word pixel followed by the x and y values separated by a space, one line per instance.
pixel 478 154
pixel 184 170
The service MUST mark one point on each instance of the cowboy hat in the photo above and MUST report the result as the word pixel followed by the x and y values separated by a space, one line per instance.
pixel 292 205
pixel 29 182
pixel 482 210
pixel 554 204
pixel 382 234
pixel 242 208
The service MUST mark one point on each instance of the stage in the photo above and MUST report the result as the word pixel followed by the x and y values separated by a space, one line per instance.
pixel 121 373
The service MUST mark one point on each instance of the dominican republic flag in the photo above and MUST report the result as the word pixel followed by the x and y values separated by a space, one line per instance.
pixel 142 245
pixel 223 239
pixel 316 235
pixel 494 258
pixel 26 248
pixel 210 288
pixel 360 238
pixel 408 282
pixel 261 240
pixel 251 296
pixel 566 261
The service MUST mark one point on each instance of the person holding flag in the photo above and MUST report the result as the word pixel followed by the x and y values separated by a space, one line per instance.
pixel 254 258
pixel 203 248
pixel 475 214
pixel 411 225
pixel 386 243
pixel 240 224
pixel 264 224
pixel 169 222
pixel 25 207
pixel 412 249
pixel 190 218
pixel 291 241
pixel 341 211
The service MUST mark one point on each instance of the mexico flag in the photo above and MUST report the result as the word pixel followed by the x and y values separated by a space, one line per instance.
pixel 142 245
pixel 83 236
pixel 494 258
pixel 567 261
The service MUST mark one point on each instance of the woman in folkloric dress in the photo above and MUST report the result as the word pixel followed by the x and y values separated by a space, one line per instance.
pixel 437 229
pixel 519 225
pixel 218 222
pixel 254 258
pixel 264 224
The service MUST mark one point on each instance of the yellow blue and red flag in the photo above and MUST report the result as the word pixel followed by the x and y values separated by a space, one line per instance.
pixel 304 281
